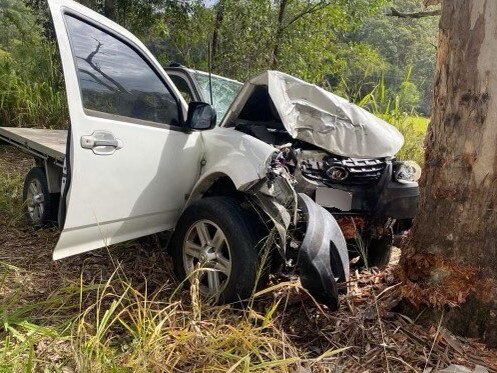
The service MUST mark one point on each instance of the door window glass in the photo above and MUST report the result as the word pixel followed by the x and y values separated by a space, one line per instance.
pixel 115 79
pixel 183 87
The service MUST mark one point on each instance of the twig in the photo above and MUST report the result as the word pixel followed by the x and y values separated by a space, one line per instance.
pixel 434 340
pixel 382 332
pixel 421 14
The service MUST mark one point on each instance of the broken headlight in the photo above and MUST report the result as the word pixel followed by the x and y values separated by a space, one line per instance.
pixel 406 171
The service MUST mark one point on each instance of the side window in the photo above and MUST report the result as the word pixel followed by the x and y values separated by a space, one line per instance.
pixel 115 79
pixel 183 87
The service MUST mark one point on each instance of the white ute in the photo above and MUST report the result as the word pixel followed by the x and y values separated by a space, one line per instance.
pixel 139 161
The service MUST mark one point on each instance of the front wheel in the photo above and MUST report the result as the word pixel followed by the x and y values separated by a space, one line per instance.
pixel 216 240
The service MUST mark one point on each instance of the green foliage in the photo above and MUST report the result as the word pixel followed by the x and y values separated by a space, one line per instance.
pixel 244 37
pixel 403 44
pixel 348 46
pixel 31 91
pixel 390 108
pixel 408 96
pixel 182 34
pixel 249 36
pixel 362 65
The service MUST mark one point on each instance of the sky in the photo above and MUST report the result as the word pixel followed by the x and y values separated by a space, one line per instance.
pixel 210 2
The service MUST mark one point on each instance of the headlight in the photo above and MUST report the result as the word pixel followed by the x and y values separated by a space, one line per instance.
pixel 406 171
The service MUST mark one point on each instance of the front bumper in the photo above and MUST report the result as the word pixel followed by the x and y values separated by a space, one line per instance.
pixel 385 199
pixel 322 256
pixel 398 200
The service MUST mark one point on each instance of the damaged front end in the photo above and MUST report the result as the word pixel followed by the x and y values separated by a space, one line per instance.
pixel 307 236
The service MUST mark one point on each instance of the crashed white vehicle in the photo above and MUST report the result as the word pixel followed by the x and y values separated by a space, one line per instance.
pixel 139 161
pixel 340 155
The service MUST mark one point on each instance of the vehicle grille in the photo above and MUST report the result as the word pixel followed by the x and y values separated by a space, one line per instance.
pixel 359 171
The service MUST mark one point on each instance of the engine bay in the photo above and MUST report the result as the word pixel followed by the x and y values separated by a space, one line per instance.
pixel 314 164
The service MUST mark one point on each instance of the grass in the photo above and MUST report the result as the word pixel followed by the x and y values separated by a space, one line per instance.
pixel 111 326
pixel 124 329
pixel 28 103
pixel 103 312
pixel 11 185
pixel 120 310
pixel 413 128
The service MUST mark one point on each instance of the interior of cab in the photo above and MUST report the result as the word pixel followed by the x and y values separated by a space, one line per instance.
pixel 260 119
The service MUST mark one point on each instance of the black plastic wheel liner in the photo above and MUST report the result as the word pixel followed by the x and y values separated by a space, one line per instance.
pixel 323 257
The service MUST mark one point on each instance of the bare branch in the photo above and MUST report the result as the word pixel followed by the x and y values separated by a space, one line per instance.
pixel 425 13
pixel 311 8
pixel 97 80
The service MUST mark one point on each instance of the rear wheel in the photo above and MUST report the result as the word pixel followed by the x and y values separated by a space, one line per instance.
pixel 40 206
pixel 217 240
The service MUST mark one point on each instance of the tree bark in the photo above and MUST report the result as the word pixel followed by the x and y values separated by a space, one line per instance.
pixel 451 257
pixel 218 22
pixel 279 34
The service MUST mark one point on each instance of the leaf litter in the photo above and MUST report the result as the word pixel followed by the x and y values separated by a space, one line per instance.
pixel 367 334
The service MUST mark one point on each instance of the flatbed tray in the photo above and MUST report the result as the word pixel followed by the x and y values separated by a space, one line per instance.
pixel 45 143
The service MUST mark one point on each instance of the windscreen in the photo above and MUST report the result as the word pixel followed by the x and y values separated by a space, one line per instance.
pixel 224 92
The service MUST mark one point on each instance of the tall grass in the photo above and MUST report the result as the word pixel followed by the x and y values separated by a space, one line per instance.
pixel 127 330
pixel 31 89
pixel 412 126
pixel 26 102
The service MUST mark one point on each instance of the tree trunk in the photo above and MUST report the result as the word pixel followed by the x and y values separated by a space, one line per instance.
pixel 110 9
pixel 279 33
pixel 451 257
pixel 218 22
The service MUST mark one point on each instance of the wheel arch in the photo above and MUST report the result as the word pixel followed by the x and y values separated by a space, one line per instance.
pixel 214 184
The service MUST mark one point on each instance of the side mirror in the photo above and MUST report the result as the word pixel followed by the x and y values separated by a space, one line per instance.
pixel 201 116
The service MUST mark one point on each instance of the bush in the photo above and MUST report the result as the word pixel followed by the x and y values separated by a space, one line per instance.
pixel 413 128
pixel 390 108
pixel 31 84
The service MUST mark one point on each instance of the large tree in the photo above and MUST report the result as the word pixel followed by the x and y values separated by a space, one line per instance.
pixel 450 260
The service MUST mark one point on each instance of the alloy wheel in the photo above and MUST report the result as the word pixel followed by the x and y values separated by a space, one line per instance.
pixel 205 247
pixel 35 201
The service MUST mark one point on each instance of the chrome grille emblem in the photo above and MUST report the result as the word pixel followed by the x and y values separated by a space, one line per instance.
pixel 337 173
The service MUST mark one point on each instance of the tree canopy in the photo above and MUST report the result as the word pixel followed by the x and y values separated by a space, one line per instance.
pixel 348 46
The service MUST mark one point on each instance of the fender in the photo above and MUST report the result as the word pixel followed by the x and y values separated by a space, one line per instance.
pixel 233 154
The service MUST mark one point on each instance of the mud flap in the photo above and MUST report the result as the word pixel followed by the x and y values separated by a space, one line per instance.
pixel 323 258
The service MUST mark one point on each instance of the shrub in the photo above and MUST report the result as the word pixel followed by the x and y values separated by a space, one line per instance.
pixel 31 89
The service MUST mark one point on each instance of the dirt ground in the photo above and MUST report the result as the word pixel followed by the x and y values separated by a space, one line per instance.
pixel 374 336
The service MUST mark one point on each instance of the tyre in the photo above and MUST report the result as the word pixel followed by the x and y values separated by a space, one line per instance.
pixel 40 206
pixel 379 251
pixel 221 239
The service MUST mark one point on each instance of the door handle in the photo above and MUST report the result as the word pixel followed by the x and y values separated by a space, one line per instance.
pixel 101 143
pixel 113 143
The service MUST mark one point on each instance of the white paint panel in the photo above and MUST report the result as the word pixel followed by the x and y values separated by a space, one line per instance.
pixel 138 190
